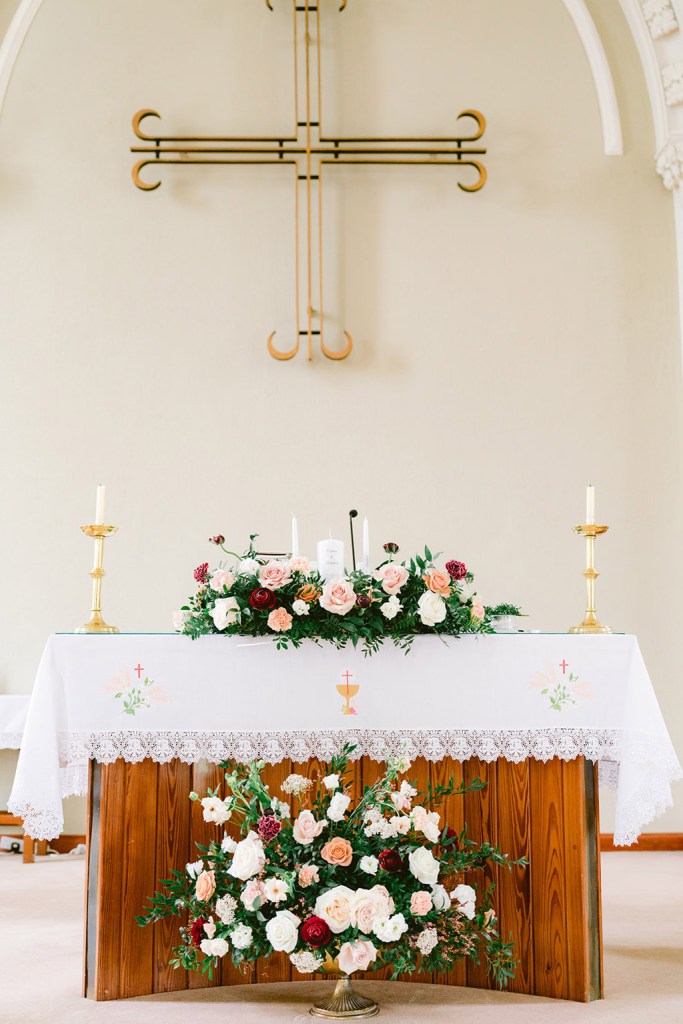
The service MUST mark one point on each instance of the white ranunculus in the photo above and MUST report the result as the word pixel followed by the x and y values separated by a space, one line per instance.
pixel 432 608
pixel 390 929
pixel 391 608
pixel 248 858
pixel 195 869
pixel 215 810
pixel 334 906
pixel 179 620
pixel 331 782
pixel 241 936
pixel 440 897
pixel 369 865
pixel 228 845
pixel 282 931
pixel 338 805
pixel 466 897
pixel 225 612
pixel 214 947
pixel 300 608
pixel 249 567
pixel 424 865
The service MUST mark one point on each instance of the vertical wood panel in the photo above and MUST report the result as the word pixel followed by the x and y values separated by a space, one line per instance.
pixel 277 967
pixel 204 776
pixel 109 871
pixel 138 877
pixel 513 898
pixel 452 814
pixel 482 824
pixel 172 853
pixel 576 910
pixel 548 879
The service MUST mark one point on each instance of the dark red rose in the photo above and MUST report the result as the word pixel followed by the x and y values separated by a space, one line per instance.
pixel 268 827
pixel 197 931
pixel 363 600
pixel 315 932
pixel 201 573
pixel 391 861
pixel 218 539
pixel 262 599
pixel 456 570
pixel 452 834
pixel 390 547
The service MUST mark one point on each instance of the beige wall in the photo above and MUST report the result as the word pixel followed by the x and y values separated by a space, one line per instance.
pixel 511 346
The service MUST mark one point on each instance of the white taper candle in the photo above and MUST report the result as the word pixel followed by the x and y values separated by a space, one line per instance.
pixel 590 505
pixel 99 504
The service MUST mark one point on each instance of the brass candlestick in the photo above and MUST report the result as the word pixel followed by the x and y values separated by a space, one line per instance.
pixel 590 622
pixel 96 623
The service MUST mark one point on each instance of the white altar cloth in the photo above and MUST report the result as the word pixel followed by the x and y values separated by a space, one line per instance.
pixel 511 696
pixel 13 712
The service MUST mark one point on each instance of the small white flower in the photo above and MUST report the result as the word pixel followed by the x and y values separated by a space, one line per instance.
pixel 214 947
pixel 241 936
pixel 210 928
pixel 225 908
pixel 466 590
pixel 306 963
pixel 249 567
pixel 465 896
pixel 296 784
pixel 338 806
pixel 426 940
pixel 401 824
pixel 195 869
pixel 440 897
pixel 300 608
pixel 390 929
pixel 215 810
pixel 282 809
pixel 391 608
pixel 331 782
pixel 275 890
pixel 228 845
pixel 369 865
pixel 400 764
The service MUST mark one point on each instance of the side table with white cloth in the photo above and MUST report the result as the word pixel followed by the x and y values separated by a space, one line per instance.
pixel 139 720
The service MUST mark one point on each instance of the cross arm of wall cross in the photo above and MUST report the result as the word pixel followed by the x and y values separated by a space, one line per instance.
pixel 307 150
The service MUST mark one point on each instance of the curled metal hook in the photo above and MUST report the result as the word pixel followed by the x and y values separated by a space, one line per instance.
pixel 481 180
pixel 138 182
pixel 138 118
pixel 342 353
pixel 477 116
pixel 276 354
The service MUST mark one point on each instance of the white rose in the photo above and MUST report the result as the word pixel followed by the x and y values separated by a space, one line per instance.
pixel 424 866
pixel 282 931
pixel 179 620
pixel 241 936
pixel 432 608
pixel 225 612
pixel 334 906
pixel 440 897
pixel 390 929
pixel 391 608
pixel 248 858
pixel 215 810
pixel 465 896
pixel 300 608
pixel 214 947
pixel 331 782
pixel 370 905
pixel 195 869
pixel 228 845
pixel 249 567
pixel 338 805
pixel 369 865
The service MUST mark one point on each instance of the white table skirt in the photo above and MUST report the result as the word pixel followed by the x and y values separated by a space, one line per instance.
pixel 513 696
pixel 13 712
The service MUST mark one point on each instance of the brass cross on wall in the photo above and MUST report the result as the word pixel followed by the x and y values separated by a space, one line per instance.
pixel 308 150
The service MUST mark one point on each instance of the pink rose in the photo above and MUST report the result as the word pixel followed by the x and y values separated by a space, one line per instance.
pixel 279 620
pixel 356 956
pixel 221 578
pixel 420 903
pixel 338 596
pixel 205 885
pixel 307 875
pixel 438 582
pixel 253 890
pixel 392 577
pixel 274 575
pixel 306 828
pixel 478 611
pixel 370 904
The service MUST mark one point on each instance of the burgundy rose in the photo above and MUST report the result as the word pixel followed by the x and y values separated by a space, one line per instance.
pixel 262 599
pixel 218 539
pixel 201 573
pixel 391 861
pixel 390 547
pixel 316 932
pixel 197 931
pixel 452 834
pixel 268 827
pixel 363 600
pixel 456 570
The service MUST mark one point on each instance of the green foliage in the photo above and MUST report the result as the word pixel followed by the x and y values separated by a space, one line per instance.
pixel 503 609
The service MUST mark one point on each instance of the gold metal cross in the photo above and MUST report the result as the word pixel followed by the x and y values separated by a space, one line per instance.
pixel 308 149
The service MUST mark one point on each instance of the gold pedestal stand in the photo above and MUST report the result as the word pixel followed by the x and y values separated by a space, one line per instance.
pixel 590 622
pixel 344 1004
pixel 96 623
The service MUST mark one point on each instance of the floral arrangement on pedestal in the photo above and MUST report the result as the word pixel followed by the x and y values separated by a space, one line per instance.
pixel 287 599
pixel 378 884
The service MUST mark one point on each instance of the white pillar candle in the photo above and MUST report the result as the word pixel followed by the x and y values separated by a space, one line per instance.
pixel 99 504
pixel 295 537
pixel 366 546
pixel 590 505
pixel 330 558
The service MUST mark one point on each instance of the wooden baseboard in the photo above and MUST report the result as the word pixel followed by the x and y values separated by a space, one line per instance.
pixel 647 841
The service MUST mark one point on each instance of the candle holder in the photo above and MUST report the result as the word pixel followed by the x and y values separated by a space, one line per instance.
pixel 96 623
pixel 590 622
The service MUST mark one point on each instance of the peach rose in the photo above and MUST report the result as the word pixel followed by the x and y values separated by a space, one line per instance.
pixel 337 851
pixel 274 574
pixel 308 593
pixel 306 828
pixel 307 875
pixel 205 885
pixel 369 905
pixel 420 903
pixel 438 582
pixel 392 577
pixel 279 620
pixel 299 563
pixel 338 597
pixel 478 611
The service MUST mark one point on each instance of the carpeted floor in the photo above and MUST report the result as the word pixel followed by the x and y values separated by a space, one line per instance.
pixel 41 950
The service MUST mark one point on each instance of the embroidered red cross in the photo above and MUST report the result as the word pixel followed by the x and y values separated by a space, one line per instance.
pixel 564 665
pixel 139 669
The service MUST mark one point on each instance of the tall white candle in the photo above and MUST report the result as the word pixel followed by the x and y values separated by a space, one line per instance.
pixel 366 546
pixel 330 558
pixel 99 504
pixel 590 505
pixel 295 537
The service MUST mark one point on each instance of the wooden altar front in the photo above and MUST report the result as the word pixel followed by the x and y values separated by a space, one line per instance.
pixel 142 825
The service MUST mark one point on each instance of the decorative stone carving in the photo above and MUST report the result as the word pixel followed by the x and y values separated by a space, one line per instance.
pixel 660 17
pixel 672 80
pixel 670 162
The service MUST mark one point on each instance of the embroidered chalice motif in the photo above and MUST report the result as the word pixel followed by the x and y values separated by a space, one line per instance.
pixel 348 690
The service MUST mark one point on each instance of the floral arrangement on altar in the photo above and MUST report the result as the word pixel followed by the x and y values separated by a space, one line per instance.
pixel 331 885
pixel 289 600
